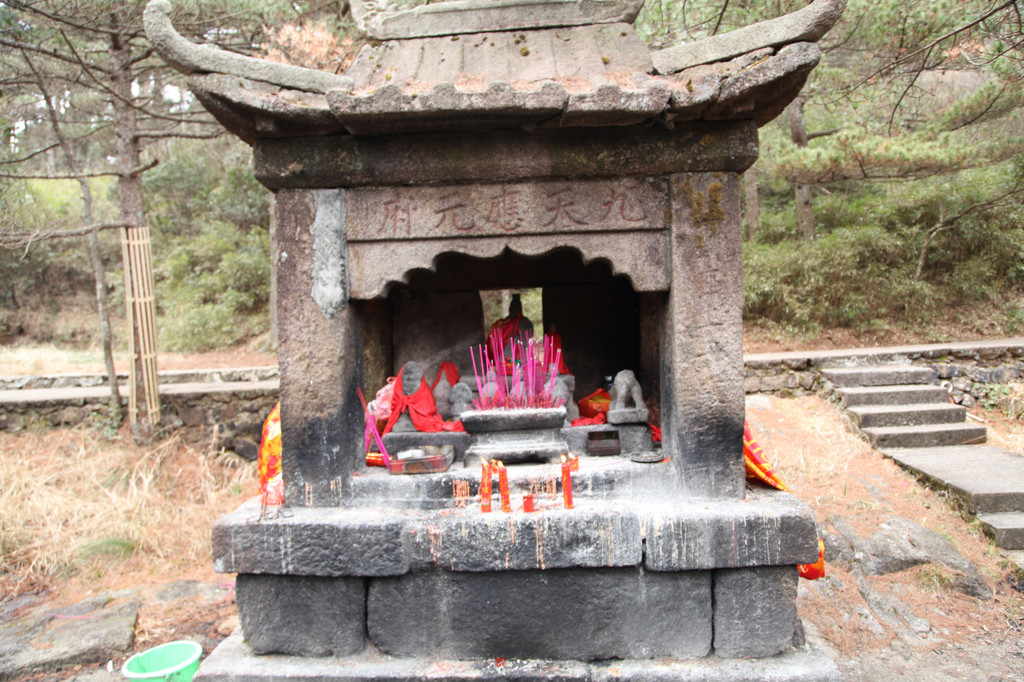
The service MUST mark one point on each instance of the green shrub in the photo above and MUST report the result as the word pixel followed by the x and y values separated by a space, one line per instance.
pixel 849 278
pixel 213 288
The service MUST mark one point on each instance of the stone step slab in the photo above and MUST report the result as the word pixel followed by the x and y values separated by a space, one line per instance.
pixel 908 415
pixel 985 478
pixel 929 435
pixel 885 375
pixel 1007 528
pixel 892 395
pixel 233 660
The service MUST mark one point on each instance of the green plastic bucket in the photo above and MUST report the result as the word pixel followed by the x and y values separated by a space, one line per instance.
pixel 173 662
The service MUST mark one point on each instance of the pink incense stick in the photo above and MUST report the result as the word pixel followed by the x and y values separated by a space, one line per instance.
pixel 372 423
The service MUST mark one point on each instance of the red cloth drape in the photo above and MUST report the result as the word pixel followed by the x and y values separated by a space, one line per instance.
pixel 421 408
pixel 450 371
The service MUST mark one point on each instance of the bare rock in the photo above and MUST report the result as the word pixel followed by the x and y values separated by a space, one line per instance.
pixel 95 630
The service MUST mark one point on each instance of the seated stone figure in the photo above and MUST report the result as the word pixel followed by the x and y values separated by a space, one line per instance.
pixel 514 328
pixel 627 401
pixel 461 398
pixel 413 407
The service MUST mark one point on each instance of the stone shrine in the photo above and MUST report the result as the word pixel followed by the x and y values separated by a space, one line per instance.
pixel 514 144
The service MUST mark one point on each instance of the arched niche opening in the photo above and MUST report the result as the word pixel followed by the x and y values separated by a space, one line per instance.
pixel 605 324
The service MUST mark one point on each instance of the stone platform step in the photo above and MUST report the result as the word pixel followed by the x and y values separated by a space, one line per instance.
pixel 986 479
pixel 914 394
pixel 1007 528
pixel 883 375
pixel 929 435
pixel 908 415
pixel 233 661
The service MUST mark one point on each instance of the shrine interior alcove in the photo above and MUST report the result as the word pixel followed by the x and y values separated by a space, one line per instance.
pixel 437 314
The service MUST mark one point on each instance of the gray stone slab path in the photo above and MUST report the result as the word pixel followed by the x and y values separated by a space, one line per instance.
pixel 985 478
pixel 989 482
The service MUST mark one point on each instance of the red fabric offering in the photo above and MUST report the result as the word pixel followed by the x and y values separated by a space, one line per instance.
pixel 590 421
pixel 507 329
pixel 450 371
pixel 421 407
pixel 556 345
pixel 595 403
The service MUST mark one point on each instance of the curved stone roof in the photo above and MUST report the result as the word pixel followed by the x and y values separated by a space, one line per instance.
pixel 577 76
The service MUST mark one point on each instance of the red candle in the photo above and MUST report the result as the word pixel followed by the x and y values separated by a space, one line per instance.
pixel 575 461
pixel 528 503
pixel 485 487
pixel 567 482
pixel 506 502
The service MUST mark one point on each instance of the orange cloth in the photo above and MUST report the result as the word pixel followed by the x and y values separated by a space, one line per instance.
pixel 817 569
pixel 421 407
pixel 757 466
pixel 595 403
pixel 269 462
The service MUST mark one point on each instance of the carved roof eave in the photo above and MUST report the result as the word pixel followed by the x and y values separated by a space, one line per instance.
pixel 595 75
pixel 755 86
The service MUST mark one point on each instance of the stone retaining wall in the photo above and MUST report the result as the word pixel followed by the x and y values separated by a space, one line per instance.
pixel 229 415
pixel 967 370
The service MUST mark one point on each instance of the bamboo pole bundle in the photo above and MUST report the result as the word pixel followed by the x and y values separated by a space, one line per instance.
pixel 140 301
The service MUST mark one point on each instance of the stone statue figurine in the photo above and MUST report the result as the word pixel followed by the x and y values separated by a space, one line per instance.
pixel 516 328
pixel 627 401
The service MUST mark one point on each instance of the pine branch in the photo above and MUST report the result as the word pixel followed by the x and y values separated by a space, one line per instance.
pixel 59 19
pixel 23 240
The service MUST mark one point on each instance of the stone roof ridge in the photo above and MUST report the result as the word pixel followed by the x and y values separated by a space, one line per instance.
pixel 387 20
pixel 189 58
pixel 804 25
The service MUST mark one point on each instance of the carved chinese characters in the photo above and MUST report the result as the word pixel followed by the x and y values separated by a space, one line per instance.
pixel 491 210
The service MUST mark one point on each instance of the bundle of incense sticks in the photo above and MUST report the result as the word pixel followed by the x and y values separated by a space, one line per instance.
pixel 371 429
pixel 526 379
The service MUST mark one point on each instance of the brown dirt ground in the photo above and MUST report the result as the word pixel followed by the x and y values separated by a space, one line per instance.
pixel 838 474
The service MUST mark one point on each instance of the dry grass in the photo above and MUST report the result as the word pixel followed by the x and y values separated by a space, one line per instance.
pixel 49 359
pixel 37 359
pixel 77 509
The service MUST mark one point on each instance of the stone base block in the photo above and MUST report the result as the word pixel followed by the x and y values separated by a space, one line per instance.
pixel 511 452
pixel 755 610
pixel 396 442
pixel 632 415
pixel 233 661
pixel 633 438
pixel 302 616
pixel 559 614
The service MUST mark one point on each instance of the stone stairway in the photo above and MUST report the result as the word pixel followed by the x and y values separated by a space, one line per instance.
pixel 907 415
pixel 899 406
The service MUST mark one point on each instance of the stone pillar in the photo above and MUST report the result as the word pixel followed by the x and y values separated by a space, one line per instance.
pixel 702 408
pixel 320 350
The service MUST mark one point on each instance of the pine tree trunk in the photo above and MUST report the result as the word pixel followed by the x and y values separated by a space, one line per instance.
pixel 135 244
pixel 95 258
pixel 804 207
